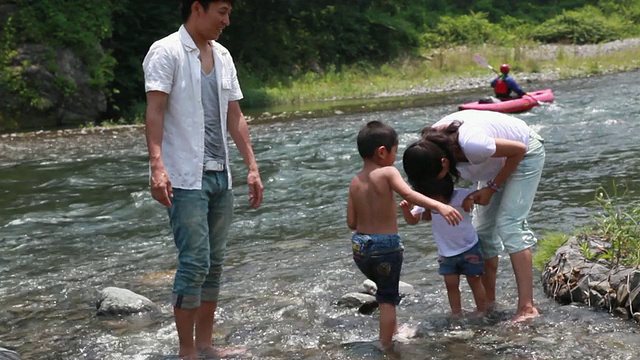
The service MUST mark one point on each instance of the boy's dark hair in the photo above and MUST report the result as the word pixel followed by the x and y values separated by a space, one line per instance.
pixel 436 188
pixel 185 6
pixel 373 135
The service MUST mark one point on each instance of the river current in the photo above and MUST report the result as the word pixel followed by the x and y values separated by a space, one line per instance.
pixel 77 216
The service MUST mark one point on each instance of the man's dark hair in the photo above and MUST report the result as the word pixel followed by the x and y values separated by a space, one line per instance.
pixel 373 135
pixel 185 6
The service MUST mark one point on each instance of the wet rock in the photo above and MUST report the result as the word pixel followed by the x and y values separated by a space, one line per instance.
pixel 621 312
pixel 117 301
pixel 636 317
pixel 6 354
pixel 634 279
pixel 569 278
pixel 600 286
pixel 634 299
pixel 461 334
pixel 370 287
pixel 595 297
pixel 403 287
pixel 622 294
pixel 356 299
pixel 406 289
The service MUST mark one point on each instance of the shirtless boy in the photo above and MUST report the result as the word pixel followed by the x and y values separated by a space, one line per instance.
pixel 372 212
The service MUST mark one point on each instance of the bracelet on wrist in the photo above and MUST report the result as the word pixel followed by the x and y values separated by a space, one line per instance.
pixel 491 184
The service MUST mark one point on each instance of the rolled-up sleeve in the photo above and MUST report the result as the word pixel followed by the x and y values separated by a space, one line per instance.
pixel 158 67
pixel 236 93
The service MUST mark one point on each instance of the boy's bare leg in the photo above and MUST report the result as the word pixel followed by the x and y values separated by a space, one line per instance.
pixel 523 270
pixel 479 295
pixel 184 325
pixel 489 280
pixel 452 282
pixel 388 324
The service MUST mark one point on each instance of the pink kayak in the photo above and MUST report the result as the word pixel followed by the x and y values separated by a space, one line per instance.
pixel 512 106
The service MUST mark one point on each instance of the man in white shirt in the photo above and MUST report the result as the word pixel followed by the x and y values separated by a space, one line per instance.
pixel 192 103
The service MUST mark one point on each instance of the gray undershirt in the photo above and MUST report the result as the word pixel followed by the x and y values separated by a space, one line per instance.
pixel 213 137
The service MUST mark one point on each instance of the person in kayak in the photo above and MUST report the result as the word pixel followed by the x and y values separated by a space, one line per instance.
pixel 504 85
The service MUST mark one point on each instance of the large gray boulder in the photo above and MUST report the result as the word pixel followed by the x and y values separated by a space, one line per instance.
pixel 117 301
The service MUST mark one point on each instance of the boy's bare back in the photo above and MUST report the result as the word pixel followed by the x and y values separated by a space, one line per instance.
pixel 372 201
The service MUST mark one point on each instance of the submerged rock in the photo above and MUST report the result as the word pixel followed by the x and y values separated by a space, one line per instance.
pixel 6 354
pixel 117 301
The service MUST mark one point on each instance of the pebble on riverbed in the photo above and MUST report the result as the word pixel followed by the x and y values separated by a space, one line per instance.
pixel 366 301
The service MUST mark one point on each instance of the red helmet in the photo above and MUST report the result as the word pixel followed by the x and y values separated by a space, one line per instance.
pixel 504 68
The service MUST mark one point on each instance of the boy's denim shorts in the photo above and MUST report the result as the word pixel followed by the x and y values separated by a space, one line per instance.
pixel 469 263
pixel 379 257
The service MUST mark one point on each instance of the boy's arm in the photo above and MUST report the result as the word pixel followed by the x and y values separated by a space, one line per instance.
pixel 398 185
pixel 409 217
pixel 351 213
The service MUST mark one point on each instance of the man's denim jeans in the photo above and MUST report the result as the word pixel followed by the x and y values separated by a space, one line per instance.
pixel 200 220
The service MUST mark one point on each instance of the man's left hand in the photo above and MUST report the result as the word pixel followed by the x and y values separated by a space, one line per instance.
pixel 255 189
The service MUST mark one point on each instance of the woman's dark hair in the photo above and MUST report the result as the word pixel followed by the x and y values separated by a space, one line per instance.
pixel 423 159
pixel 185 6
pixel 373 135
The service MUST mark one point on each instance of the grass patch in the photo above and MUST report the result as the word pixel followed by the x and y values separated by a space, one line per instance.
pixel 547 247
pixel 618 222
pixel 433 68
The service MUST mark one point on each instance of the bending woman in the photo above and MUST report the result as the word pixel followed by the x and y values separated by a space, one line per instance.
pixel 506 158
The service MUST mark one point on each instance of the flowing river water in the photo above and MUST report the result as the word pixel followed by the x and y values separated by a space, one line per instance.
pixel 77 216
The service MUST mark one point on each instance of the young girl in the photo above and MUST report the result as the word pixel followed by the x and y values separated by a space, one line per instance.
pixel 458 246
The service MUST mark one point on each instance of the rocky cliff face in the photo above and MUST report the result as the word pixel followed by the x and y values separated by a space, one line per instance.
pixel 59 83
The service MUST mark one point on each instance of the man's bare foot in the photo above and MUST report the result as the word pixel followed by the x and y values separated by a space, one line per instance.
pixel 525 314
pixel 222 352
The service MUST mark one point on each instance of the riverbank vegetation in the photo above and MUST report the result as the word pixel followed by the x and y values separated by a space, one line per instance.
pixel 616 223
pixel 304 51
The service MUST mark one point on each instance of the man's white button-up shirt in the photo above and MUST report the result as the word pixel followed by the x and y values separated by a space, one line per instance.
pixel 172 66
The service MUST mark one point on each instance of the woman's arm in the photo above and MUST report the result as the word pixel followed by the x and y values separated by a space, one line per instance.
pixel 514 152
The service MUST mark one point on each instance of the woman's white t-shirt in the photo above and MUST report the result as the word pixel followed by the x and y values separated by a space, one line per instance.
pixel 476 137
pixel 452 240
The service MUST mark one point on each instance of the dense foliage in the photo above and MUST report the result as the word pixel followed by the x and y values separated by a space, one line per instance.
pixel 275 41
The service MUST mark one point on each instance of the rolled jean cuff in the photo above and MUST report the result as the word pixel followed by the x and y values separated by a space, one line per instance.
pixel 210 294
pixel 186 302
